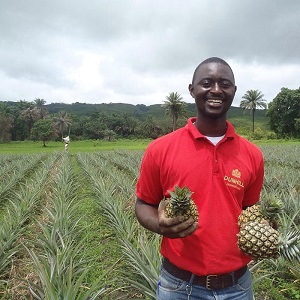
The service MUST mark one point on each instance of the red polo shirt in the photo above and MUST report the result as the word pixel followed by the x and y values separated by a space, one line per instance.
pixel 224 178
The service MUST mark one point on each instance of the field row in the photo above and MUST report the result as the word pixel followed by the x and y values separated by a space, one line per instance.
pixel 69 229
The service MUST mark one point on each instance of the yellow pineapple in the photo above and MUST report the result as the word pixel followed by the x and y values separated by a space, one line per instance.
pixel 259 240
pixel 252 213
pixel 257 237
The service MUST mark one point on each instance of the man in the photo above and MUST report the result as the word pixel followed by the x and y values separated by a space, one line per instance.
pixel 66 141
pixel 201 260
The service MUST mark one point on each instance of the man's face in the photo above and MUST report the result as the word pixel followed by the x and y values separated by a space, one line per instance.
pixel 213 89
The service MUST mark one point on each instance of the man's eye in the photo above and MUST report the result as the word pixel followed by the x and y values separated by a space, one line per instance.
pixel 225 84
pixel 206 83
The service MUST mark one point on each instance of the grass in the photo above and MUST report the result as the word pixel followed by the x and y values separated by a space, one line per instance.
pixel 28 147
pixel 22 147
pixel 277 142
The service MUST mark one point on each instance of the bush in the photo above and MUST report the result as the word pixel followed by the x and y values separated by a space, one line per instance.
pixel 258 134
pixel 271 135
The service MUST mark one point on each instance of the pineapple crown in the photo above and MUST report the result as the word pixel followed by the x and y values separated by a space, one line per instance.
pixel 271 206
pixel 180 197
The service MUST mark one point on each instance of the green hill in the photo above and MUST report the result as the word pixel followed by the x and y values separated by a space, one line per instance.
pixel 236 115
pixel 141 111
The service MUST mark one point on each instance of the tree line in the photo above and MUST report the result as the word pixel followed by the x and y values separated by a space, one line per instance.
pixel 30 120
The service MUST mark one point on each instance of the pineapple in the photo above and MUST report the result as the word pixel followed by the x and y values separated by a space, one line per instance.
pixel 181 204
pixel 257 237
pixel 252 213
pixel 266 210
pixel 259 240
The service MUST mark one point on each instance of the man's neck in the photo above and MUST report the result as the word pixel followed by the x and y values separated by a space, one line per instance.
pixel 209 127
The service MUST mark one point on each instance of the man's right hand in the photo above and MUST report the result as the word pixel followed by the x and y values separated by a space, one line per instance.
pixel 175 227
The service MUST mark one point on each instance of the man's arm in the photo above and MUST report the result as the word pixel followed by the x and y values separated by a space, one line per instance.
pixel 153 218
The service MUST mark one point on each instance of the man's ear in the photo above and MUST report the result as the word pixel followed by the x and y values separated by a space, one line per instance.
pixel 191 89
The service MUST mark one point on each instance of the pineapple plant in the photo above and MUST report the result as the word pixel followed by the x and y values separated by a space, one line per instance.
pixel 181 204
pixel 259 237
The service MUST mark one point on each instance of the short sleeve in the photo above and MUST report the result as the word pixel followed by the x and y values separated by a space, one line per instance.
pixel 148 187
pixel 252 193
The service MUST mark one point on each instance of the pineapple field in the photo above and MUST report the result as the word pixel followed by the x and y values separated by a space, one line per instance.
pixel 69 230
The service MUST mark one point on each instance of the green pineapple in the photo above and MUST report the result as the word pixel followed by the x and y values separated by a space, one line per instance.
pixel 181 204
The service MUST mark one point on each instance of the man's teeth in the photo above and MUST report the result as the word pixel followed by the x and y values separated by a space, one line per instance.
pixel 215 101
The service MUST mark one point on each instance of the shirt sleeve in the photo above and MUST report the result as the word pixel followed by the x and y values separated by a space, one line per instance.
pixel 252 193
pixel 148 187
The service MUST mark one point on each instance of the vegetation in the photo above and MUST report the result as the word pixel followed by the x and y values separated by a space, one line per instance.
pixel 106 121
pixel 284 114
pixel 252 100
pixel 69 229
pixel 174 107
pixel 61 122
pixel 35 120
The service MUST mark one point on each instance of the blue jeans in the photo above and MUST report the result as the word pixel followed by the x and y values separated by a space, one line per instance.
pixel 172 288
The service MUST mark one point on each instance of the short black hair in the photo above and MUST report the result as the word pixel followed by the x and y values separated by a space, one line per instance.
pixel 213 59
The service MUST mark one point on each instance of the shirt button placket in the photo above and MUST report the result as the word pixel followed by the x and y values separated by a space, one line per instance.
pixel 215 167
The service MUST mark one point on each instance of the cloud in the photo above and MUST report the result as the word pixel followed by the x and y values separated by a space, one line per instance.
pixel 139 51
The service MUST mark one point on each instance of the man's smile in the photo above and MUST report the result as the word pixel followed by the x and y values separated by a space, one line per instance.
pixel 215 102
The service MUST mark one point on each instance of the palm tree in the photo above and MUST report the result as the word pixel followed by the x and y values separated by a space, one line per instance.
pixel 109 134
pixel 30 115
pixel 151 128
pixel 253 99
pixel 62 122
pixel 174 107
pixel 5 109
pixel 39 104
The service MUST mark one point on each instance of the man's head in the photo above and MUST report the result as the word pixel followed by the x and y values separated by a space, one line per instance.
pixel 213 87
pixel 212 60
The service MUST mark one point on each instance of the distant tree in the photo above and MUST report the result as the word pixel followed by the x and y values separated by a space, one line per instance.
pixel 124 124
pixel 30 115
pixel 78 125
pixel 297 126
pixel 39 104
pixel 23 104
pixel 103 117
pixel 174 107
pixel 5 109
pixel 94 129
pixel 19 131
pixel 42 130
pixel 284 113
pixel 151 128
pixel 6 122
pixel 109 134
pixel 253 99
pixel 61 122
pixel 130 124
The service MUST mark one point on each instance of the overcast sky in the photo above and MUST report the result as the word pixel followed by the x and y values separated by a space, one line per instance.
pixel 137 52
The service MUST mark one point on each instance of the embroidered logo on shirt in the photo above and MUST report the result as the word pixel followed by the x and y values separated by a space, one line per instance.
pixel 236 173
pixel 234 180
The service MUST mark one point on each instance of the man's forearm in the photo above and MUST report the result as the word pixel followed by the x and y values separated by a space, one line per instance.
pixel 147 215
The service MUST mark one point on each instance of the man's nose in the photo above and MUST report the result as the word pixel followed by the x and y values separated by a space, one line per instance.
pixel 215 88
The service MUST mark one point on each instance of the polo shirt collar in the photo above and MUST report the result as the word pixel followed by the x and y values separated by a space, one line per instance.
pixel 230 132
